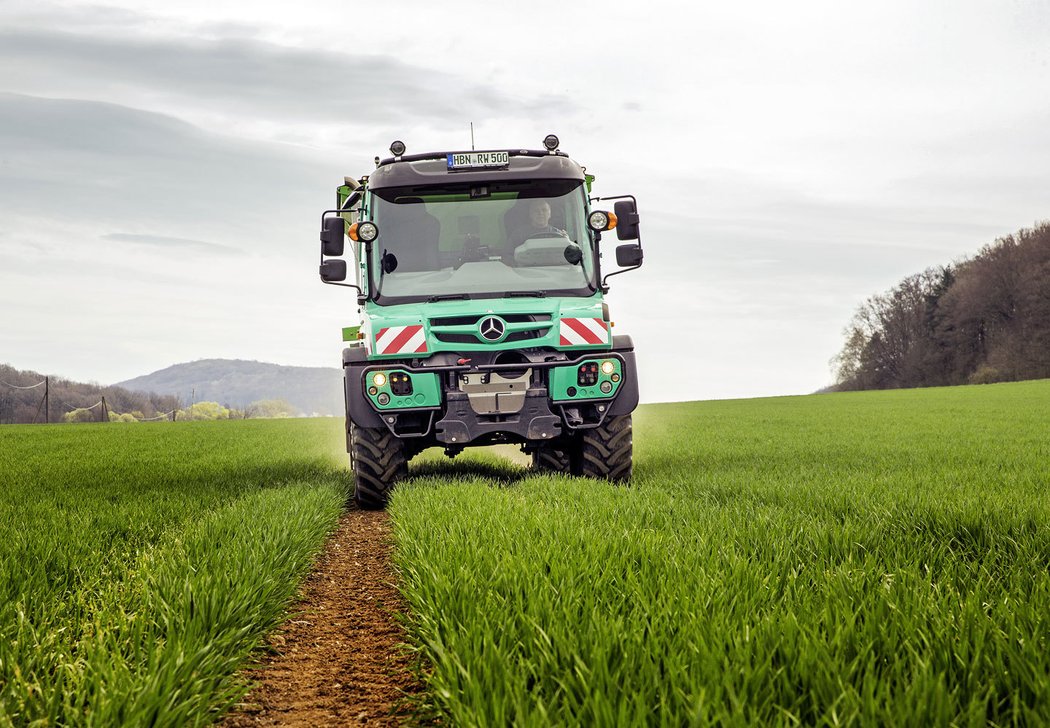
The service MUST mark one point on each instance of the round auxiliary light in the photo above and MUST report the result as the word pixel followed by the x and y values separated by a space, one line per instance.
pixel 606 387
pixel 608 367
pixel 598 221
pixel 383 398
pixel 397 148
pixel 551 142
pixel 367 232
pixel 379 379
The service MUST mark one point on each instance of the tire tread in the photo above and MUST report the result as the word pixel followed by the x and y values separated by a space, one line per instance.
pixel 607 450
pixel 378 460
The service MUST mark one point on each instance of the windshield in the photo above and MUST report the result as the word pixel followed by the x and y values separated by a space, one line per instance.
pixel 481 241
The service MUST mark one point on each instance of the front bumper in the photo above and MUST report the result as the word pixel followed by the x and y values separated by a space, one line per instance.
pixel 450 418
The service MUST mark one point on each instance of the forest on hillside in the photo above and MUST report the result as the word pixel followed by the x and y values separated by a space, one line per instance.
pixel 22 399
pixel 984 319
pixel 27 397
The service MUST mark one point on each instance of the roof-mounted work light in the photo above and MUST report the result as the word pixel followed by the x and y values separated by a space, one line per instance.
pixel 397 148
pixel 551 142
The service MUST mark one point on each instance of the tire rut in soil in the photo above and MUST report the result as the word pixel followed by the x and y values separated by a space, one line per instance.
pixel 336 660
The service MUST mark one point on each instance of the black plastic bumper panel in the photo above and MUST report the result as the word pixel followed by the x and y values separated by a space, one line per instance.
pixel 461 425
pixel 537 420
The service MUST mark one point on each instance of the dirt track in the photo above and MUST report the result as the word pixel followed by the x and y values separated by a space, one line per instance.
pixel 335 661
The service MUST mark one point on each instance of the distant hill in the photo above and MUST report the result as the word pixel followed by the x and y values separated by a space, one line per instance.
pixel 238 383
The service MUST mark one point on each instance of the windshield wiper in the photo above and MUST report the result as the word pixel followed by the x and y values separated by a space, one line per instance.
pixel 449 297
pixel 527 294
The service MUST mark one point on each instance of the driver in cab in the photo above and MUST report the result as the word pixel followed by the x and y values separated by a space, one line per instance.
pixel 539 225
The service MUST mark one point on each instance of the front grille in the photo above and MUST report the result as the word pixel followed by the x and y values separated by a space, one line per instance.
pixel 454 320
pixel 473 337
pixel 520 318
pixel 526 335
pixel 510 318
pixel 456 338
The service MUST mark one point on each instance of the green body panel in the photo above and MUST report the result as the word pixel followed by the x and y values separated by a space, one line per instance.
pixel 426 391
pixel 377 318
pixel 564 378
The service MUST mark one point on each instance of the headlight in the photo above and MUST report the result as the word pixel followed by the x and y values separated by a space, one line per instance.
pixel 367 232
pixel 608 367
pixel 600 220
pixel 379 379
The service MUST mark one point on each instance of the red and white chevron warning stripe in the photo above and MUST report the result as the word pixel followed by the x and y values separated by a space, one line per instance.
pixel 401 340
pixel 583 331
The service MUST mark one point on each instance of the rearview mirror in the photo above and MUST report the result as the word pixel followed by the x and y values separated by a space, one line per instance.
pixel 332 237
pixel 626 221
pixel 335 270
pixel 573 254
pixel 628 256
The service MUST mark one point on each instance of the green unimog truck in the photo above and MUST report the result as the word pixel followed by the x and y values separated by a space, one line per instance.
pixel 481 291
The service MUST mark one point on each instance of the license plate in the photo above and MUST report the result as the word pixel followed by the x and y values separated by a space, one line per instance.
pixel 474 160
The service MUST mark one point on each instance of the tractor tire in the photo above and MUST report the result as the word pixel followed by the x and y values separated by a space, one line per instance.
pixel 553 458
pixel 378 459
pixel 607 451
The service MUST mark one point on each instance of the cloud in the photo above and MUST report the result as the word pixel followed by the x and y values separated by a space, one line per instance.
pixel 121 169
pixel 243 77
pixel 169 242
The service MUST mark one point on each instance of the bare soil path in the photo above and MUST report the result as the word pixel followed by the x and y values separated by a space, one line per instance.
pixel 336 661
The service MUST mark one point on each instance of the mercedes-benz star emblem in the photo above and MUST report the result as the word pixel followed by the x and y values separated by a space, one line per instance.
pixel 492 328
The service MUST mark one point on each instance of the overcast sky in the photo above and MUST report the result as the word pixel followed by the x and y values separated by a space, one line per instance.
pixel 163 167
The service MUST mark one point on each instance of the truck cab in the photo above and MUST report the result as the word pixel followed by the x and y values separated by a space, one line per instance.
pixel 481 295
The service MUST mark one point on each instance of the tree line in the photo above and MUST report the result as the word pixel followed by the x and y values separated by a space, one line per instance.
pixel 22 401
pixel 21 405
pixel 984 319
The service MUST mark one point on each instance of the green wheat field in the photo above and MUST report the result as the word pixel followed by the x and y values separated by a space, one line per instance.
pixel 876 558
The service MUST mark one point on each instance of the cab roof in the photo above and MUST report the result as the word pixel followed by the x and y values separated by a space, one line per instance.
pixel 433 168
